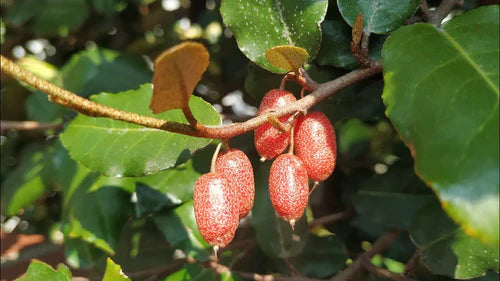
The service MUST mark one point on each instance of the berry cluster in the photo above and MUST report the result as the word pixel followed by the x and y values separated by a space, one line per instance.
pixel 226 194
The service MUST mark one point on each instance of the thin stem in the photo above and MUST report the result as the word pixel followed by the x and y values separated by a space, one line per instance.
pixel 412 264
pixel 316 183
pixel 333 217
pixel 90 108
pixel 290 150
pixel 382 243
pixel 446 6
pixel 28 125
pixel 212 169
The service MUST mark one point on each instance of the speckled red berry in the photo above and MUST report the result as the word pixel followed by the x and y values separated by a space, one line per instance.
pixel 288 187
pixel 235 166
pixel 315 145
pixel 215 209
pixel 269 141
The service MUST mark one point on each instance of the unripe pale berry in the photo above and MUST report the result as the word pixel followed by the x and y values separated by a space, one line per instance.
pixel 215 209
pixel 269 141
pixel 315 145
pixel 288 187
pixel 236 168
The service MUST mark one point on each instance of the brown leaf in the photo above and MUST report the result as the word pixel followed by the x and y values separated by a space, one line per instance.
pixel 176 73
pixel 357 30
pixel 287 57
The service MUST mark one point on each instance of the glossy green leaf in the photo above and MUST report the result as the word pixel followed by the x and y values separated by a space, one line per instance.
pixel 116 148
pixel 447 249
pixel 40 271
pixel 60 16
pixel 80 254
pixel 379 16
pixel 29 181
pixel 114 272
pixel 274 235
pixel 261 25
pixel 382 197
pixel 322 256
pixel 179 228
pixel 336 45
pixel 100 70
pixel 441 92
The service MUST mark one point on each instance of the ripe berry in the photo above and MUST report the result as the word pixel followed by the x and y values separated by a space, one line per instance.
pixel 288 187
pixel 315 145
pixel 236 168
pixel 269 141
pixel 215 209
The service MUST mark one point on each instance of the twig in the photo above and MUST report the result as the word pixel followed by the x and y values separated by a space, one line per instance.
pixel 411 264
pixel 446 6
pixel 87 107
pixel 28 125
pixel 382 243
pixel 382 272
pixel 347 213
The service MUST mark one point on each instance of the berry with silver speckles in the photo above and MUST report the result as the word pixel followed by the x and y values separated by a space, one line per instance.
pixel 315 145
pixel 289 187
pixel 269 141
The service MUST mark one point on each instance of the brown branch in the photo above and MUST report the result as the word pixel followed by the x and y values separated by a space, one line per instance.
pixel 412 264
pixel 28 125
pixel 87 107
pixel 347 213
pixel 382 243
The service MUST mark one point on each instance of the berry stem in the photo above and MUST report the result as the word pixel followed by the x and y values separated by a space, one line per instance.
pixel 290 150
pixel 214 157
pixel 226 144
pixel 316 183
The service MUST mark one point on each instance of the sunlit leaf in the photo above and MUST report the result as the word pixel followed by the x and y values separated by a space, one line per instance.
pixel 441 93
pixel 286 57
pixel 177 71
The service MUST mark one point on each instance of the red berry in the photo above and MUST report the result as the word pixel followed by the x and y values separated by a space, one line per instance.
pixel 315 145
pixel 288 187
pixel 269 141
pixel 215 209
pixel 236 168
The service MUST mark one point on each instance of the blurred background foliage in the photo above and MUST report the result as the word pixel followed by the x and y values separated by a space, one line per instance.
pixel 146 224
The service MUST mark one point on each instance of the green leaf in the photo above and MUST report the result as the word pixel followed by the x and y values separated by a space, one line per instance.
pixel 322 256
pixel 95 208
pixel 80 254
pixel 23 10
pixel 29 181
pixel 179 228
pixel 60 17
pixel 40 271
pixel 116 148
pixel 379 16
pixel 441 92
pixel 100 70
pixel 336 45
pixel 114 272
pixel 274 235
pixel 170 187
pixel 261 25
pixel 39 108
pixel 362 100
pixel 447 249
pixel 382 197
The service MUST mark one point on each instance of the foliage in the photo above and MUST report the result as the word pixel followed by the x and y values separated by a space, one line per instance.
pixel 417 146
